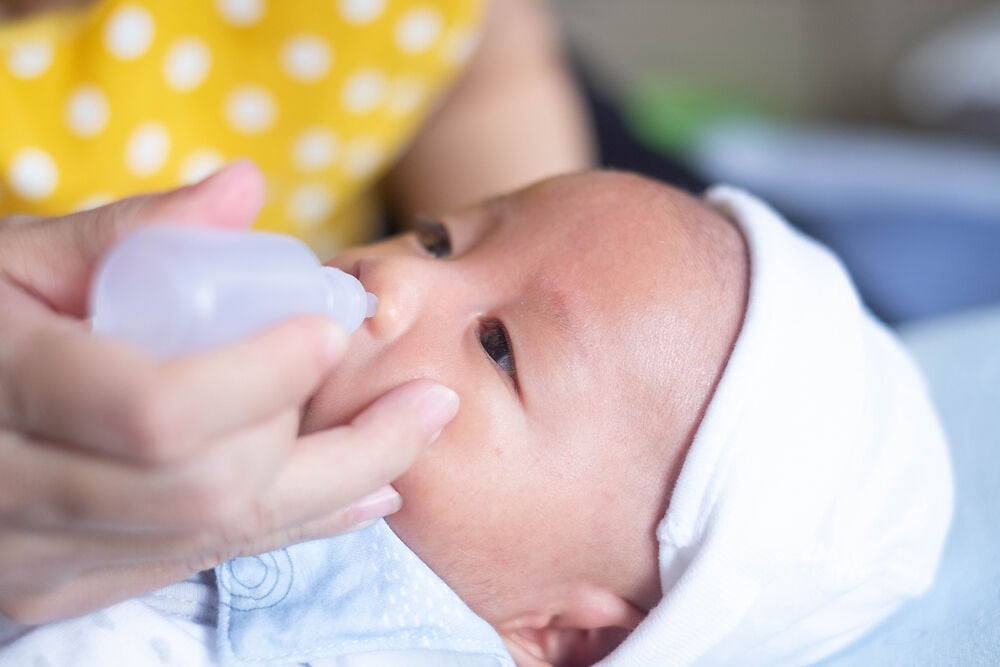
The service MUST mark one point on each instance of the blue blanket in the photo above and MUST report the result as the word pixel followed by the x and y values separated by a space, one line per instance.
pixel 958 621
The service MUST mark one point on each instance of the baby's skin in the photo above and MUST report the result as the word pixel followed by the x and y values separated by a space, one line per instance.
pixel 584 323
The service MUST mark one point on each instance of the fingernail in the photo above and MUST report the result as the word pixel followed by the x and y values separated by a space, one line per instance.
pixel 375 505
pixel 236 194
pixel 438 405
pixel 211 177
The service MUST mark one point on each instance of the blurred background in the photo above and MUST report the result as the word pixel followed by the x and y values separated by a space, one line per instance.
pixel 830 58
pixel 872 124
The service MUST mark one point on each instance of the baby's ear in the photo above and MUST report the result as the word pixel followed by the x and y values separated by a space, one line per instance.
pixel 589 624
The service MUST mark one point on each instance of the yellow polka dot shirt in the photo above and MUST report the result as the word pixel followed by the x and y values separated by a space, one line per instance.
pixel 130 96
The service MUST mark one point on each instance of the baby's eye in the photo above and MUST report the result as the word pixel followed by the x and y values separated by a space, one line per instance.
pixel 433 237
pixel 496 343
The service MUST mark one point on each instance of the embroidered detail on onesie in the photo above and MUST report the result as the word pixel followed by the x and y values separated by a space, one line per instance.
pixel 357 593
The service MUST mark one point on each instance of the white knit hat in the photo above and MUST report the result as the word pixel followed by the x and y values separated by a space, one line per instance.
pixel 816 495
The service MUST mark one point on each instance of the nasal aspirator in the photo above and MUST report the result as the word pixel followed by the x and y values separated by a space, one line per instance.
pixel 173 289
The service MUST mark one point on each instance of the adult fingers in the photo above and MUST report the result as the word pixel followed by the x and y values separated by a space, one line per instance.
pixel 328 469
pixel 49 488
pixel 331 468
pixel 78 593
pixel 324 473
pixel 87 592
pixel 53 258
pixel 63 384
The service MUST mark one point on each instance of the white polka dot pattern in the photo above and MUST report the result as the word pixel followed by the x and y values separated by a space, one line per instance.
pixel 148 149
pixel 407 94
pixel 33 174
pixel 30 59
pixel 186 64
pixel 250 109
pixel 363 156
pixel 460 45
pixel 87 111
pixel 361 11
pixel 94 201
pixel 306 57
pixel 129 32
pixel 241 13
pixel 139 95
pixel 364 91
pixel 417 30
pixel 310 205
pixel 200 164
pixel 315 149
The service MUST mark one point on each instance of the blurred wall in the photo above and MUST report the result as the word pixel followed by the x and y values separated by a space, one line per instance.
pixel 833 58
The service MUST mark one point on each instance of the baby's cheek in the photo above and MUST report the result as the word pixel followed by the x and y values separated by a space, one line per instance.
pixel 424 523
pixel 439 519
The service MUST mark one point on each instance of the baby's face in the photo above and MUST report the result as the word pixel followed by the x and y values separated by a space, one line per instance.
pixel 583 324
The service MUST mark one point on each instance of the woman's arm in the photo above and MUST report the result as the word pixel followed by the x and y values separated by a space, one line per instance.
pixel 514 117
pixel 11 9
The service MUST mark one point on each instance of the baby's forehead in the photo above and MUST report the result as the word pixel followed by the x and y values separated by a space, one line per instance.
pixel 656 271
pixel 619 225
pixel 615 209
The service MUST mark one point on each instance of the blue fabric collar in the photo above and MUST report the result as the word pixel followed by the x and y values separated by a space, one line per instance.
pixel 361 592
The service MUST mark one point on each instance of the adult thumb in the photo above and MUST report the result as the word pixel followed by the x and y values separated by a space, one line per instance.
pixel 57 256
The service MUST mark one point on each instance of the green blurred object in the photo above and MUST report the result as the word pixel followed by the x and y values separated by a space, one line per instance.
pixel 670 115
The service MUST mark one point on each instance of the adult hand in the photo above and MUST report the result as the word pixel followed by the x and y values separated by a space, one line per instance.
pixel 120 473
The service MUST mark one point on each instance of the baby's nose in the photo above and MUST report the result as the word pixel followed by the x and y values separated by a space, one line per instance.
pixel 399 288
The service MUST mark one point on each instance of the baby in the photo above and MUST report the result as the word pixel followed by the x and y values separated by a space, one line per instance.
pixel 681 438
pixel 586 324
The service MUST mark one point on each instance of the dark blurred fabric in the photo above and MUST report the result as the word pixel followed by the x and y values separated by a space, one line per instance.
pixel 619 148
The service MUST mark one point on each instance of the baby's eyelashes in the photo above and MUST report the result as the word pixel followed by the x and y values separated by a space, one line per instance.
pixel 433 237
pixel 495 341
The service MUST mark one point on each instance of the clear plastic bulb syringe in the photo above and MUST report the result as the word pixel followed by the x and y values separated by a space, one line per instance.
pixel 174 290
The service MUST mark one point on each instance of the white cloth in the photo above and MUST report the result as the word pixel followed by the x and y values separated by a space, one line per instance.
pixel 163 629
pixel 817 493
